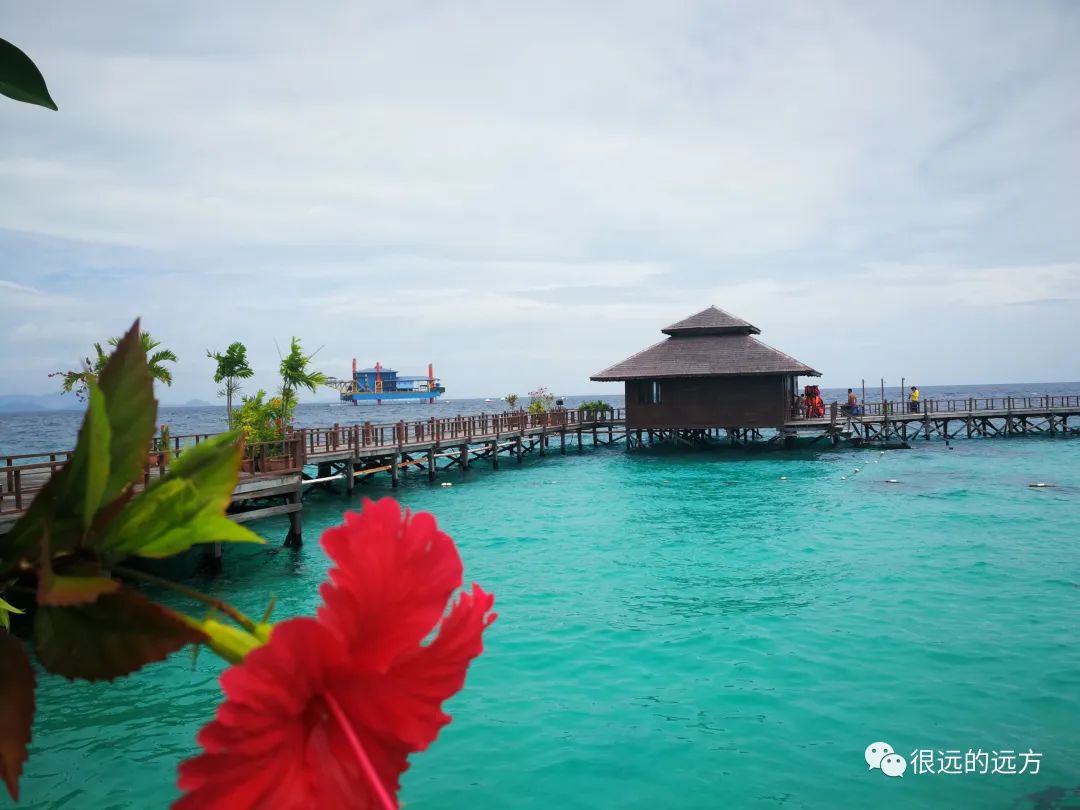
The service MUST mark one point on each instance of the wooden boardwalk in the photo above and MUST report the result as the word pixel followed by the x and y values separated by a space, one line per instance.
pixel 898 422
pixel 889 424
pixel 274 475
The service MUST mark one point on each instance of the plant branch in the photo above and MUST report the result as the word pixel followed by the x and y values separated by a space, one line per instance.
pixel 191 593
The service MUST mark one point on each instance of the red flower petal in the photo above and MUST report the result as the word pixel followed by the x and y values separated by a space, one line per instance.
pixel 326 713
pixel 255 745
pixel 406 702
pixel 394 576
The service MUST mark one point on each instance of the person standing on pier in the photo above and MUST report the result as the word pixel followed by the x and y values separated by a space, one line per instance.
pixel 913 400
pixel 853 404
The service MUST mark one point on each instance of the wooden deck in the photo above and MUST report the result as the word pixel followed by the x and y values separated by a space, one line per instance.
pixel 274 475
pixel 884 422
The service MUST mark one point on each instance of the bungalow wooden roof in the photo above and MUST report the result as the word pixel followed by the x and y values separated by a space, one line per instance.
pixel 711 343
pixel 711 321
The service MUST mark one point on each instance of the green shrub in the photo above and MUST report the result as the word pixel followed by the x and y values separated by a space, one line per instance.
pixel 261 420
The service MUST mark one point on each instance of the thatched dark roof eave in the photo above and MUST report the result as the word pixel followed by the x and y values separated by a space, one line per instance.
pixel 711 355
pixel 711 321
pixel 600 378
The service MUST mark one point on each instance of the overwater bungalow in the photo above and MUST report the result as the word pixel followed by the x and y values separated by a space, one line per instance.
pixel 710 372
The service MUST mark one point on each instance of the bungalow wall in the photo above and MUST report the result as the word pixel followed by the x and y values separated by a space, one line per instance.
pixel 709 402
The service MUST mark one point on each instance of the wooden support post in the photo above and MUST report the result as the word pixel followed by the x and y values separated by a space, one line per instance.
pixel 562 441
pixel 517 448
pixel 543 441
pixel 395 468
pixel 967 421
pixel 295 538
pixel 495 454
pixel 211 559
pixel 464 456
pixel 579 447
pixel 350 479
pixel 431 464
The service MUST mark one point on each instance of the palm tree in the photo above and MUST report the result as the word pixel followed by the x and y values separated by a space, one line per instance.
pixel 155 360
pixel 232 366
pixel 296 374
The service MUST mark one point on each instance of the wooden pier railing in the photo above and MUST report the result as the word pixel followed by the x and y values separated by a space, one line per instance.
pixel 453 429
pixel 22 475
pixel 972 406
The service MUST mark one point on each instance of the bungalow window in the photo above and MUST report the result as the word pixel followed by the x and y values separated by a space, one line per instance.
pixel 649 393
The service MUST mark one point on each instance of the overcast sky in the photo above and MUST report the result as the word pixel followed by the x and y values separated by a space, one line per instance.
pixel 525 193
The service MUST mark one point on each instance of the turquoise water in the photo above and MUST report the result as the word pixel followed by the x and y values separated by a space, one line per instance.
pixel 691 631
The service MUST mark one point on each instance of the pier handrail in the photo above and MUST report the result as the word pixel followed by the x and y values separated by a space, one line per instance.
pixel 445 429
pixel 22 474
pixel 1044 402
pixel 18 482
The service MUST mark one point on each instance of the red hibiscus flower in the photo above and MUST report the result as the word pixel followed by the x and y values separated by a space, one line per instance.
pixel 326 713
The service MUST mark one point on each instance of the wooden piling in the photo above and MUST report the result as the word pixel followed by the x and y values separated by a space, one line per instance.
pixel 295 538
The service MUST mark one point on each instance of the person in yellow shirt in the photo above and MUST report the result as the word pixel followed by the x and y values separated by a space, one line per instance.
pixel 913 400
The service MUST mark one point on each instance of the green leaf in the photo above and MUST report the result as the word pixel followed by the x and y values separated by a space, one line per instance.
pixel 88 471
pixel 187 506
pixel 212 466
pixel 230 643
pixel 5 609
pixel 20 546
pixel 20 78
pixel 110 455
pixel 129 397
pixel 16 709
pixel 117 634
pixel 70 499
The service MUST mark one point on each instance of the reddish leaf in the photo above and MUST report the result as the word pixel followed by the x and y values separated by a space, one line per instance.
pixel 113 636
pixel 61 591
pixel 80 583
pixel 16 709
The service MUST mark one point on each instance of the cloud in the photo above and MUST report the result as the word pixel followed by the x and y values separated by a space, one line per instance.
pixel 521 192
pixel 16 296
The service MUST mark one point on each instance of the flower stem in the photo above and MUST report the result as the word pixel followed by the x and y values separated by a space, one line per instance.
pixel 191 593
pixel 361 754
